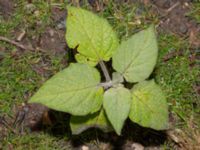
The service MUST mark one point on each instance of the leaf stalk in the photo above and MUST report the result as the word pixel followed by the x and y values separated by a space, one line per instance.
pixel 105 71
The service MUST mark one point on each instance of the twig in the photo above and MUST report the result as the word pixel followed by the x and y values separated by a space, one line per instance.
pixel 6 124
pixel 165 13
pixel 14 43
pixel 172 7
pixel 105 71
pixel 4 39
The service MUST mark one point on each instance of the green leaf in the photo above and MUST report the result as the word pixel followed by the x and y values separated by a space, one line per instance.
pixel 99 120
pixel 117 78
pixel 116 102
pixel 93 35
pixel 136 57
pixel 149 106
pixel 74 90
pixel 84 60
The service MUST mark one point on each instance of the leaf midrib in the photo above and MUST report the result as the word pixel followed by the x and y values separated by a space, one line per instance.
pixel 132 61
pixel 83 27
pixel 79 89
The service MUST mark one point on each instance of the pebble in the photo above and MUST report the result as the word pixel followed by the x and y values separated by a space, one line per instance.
pixel 183 29
pixel 51 32
pixel 37 13
pixel 84 147
pixel 137 146
pixel 61 24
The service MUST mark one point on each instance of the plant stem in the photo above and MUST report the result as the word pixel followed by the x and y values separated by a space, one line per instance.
pixel 106 85
pixel 105 71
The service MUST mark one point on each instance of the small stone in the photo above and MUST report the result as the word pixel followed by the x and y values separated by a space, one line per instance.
pixel 186 4
pixel 61 24
pixel 51 32
pixel 183 29
pixel 138 22
pixel 84 147
pixel 137 146
pixel 52 40
pixel 37 13
pixel 105 146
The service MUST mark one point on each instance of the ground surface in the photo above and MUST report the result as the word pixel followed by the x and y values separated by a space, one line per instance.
pixel 39 27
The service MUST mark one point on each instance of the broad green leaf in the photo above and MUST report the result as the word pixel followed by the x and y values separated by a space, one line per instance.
pixel 99 120
pixel 116 102
pixel 74 90
pixel 149 106
pixel 84 60
pixel 93 36
pixel 136 57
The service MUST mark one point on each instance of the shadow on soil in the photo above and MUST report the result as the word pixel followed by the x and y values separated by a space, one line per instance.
pixel 131 132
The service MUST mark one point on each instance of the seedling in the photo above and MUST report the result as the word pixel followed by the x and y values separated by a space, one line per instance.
pixel 79 91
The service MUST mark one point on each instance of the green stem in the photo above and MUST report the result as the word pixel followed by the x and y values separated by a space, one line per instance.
pixel 106 85
pixel 105 71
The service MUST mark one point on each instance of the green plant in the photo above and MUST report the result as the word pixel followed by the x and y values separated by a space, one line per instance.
pixel 78 89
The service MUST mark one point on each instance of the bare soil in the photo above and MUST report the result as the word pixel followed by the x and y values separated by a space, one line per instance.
pixel 174 19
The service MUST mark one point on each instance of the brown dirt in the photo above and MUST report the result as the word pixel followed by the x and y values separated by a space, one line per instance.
pixel 174 19
pixel 54 37
pixel 6 8
pixel 53 40
pixel 32 116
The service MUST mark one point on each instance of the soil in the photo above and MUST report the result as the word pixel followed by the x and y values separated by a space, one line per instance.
pixel 174 19
pixel 6 8
pixel 54 38
pixel 173 14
